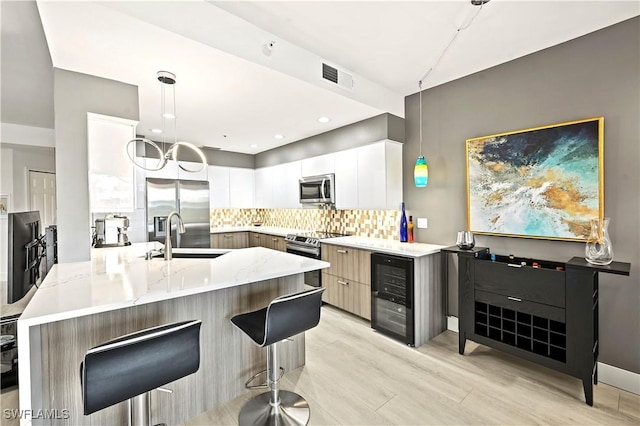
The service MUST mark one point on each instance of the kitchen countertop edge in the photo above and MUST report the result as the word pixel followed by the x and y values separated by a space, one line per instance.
pixel 385 246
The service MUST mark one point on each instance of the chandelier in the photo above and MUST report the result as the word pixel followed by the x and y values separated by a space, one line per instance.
pixel 166 79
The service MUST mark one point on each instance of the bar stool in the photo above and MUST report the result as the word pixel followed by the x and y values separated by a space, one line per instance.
pixel 284 317
pixel 131 366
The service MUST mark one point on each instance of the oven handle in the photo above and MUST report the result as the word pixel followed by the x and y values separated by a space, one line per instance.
pixel 293 249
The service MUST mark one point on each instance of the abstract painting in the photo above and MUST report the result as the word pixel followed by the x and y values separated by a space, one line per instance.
pixel 545 182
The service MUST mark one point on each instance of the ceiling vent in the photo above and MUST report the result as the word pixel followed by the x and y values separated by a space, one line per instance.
pixel 337 77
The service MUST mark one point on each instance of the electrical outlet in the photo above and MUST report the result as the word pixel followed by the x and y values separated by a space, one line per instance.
pixel 422 223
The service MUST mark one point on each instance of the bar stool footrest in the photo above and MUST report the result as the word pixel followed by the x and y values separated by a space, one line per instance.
pixel 264 385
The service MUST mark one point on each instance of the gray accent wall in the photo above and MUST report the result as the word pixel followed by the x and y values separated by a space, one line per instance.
pixel 380 127
pixel 26 73
pixel 27 158
pixel 75 94
pixel 215 157
pixel 594 75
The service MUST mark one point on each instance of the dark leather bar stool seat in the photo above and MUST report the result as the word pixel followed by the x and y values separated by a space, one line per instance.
pixel 284 317
pixel 130 366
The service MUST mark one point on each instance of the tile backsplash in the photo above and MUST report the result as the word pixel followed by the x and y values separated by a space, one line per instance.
pixel 363 223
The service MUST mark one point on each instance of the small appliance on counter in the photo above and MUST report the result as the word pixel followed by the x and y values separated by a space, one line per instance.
pixel 111 232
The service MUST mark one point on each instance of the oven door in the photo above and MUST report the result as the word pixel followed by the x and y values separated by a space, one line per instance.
pixel 311 278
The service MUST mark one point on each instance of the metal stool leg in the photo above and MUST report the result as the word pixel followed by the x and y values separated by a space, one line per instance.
pixel 140 410
pixel 276 407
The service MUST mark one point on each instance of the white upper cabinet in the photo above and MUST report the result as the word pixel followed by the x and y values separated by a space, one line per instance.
pixel 285 185
pixel 346 179
pixel 111 174
pixel 241 188
pixel 264 188
pixel 196 171
pixel 230 187
pixel 169 171
pixel 320 165
pixel 380 175
pixel 219 187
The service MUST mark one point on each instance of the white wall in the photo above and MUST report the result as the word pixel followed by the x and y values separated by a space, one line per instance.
pixel 6 188
pixel 75 94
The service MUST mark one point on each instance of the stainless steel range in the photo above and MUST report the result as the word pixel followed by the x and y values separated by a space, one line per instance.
pixel 307 244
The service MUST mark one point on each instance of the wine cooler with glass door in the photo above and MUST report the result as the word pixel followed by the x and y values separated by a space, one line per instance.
pixel 392 296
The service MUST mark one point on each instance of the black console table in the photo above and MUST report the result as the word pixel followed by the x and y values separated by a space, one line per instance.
pixel 545 312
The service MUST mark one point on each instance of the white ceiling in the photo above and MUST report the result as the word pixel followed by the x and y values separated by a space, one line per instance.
pixel 227 86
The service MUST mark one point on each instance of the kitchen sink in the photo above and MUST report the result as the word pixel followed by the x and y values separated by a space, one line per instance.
pixel 190 255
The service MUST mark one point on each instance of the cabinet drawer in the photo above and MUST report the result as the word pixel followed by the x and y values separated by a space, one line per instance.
pixel 525 306
pixel 351 296
pixel 352 264
pixel 531 284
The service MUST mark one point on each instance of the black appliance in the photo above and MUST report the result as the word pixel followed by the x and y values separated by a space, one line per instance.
pixel 307 244
pixel 51 249
pixel 9 348
pixel 392 296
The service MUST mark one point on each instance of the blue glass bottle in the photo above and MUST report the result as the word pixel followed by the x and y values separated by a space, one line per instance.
pixel 403 225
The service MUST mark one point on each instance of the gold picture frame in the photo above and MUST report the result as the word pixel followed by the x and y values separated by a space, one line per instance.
pixel 544 182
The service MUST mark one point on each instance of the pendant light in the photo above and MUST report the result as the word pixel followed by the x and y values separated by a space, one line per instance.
pixel 421 170
pixel 166 79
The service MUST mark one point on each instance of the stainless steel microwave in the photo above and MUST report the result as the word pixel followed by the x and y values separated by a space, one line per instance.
pixel 318 189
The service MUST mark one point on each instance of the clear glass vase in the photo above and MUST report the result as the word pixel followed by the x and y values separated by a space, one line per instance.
pixel 598 250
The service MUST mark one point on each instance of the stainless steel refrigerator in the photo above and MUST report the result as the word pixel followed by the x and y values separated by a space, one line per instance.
pixel 190 198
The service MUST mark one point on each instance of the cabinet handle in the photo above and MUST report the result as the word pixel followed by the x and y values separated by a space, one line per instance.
pixel 256 236
pixel 274 239
pixel 228 236
pixel 515 299
pixel 343 251
pixel 343 282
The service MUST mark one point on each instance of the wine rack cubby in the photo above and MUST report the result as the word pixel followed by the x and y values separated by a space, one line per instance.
pixel 532 333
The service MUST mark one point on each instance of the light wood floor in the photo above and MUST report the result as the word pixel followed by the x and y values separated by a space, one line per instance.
pixel 355 376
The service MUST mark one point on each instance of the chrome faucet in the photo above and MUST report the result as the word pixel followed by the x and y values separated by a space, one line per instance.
pixel 168 255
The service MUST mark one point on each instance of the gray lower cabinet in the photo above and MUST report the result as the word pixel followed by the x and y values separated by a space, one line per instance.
pixel 230 240
pixel 348 279
pixel 275 242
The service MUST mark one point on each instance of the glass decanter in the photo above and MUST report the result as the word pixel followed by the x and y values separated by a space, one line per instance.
pixel 598 250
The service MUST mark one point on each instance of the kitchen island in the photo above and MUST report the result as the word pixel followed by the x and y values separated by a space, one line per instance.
pixel 80 305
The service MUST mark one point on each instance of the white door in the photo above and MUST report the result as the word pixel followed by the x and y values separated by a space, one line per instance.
pixel 42 196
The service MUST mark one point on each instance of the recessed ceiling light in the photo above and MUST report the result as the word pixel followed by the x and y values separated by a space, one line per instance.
pixel 156 130
pixel 168 115
pixel 324 119
pixel 253 145
pixel 278 136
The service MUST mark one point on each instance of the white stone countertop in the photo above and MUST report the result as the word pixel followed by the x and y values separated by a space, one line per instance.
pixel 386 246
pixel 120 277
pixel 271 230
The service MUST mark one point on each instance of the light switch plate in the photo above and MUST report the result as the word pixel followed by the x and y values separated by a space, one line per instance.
pixel 422 222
